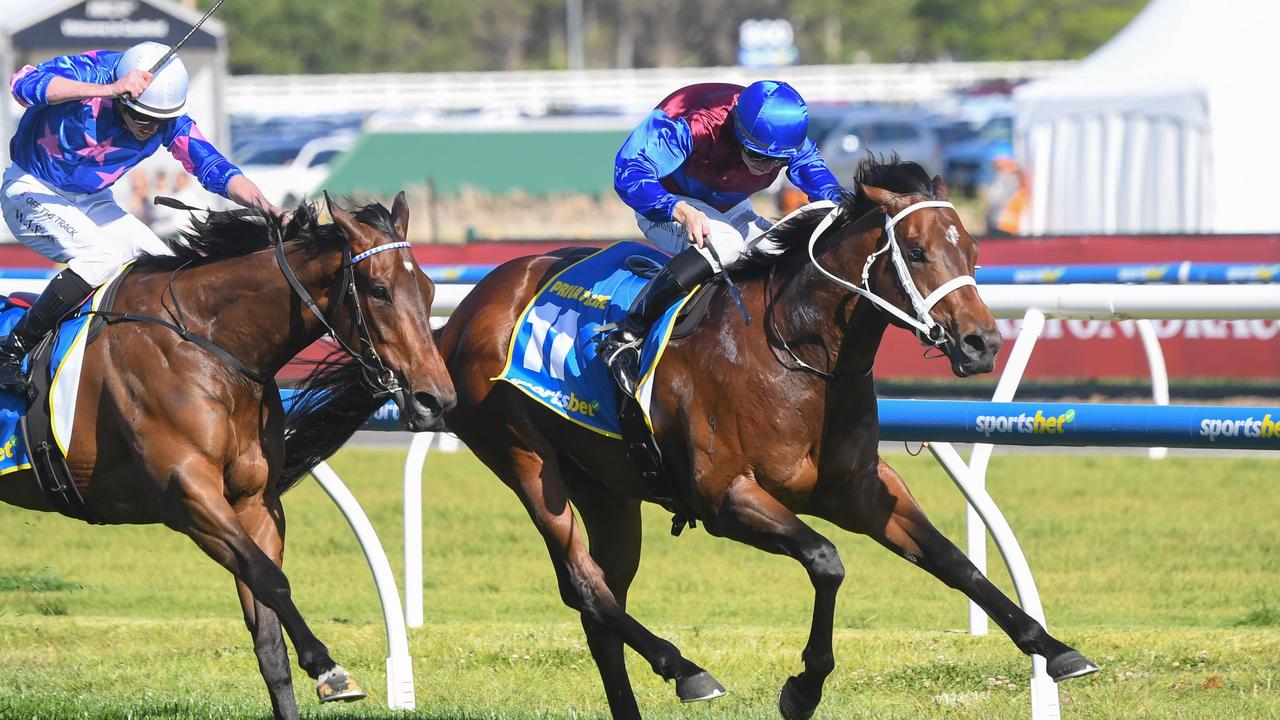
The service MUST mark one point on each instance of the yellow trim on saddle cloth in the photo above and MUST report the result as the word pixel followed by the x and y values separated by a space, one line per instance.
pixel 77 343
pixel 644 386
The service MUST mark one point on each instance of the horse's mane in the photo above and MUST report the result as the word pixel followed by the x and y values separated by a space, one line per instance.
pixel 224 234
pixel 896 175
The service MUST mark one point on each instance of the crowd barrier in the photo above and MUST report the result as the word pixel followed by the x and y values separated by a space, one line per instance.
pixel 1122 273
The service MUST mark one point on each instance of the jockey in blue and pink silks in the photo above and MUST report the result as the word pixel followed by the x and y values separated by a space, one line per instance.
pixel 688 170
pixel 88 119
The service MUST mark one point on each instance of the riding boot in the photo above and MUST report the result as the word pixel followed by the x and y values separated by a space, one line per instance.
pixel 621 348
pixel 64 293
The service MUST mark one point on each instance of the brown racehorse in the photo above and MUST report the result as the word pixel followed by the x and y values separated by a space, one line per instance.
pixel 757 423
pixel 168 432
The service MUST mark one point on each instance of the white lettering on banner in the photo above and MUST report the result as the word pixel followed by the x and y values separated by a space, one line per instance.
pixel 1214 428
pixel 109 9
pixel 73 28
pixel 1057 329
pixel 1264 329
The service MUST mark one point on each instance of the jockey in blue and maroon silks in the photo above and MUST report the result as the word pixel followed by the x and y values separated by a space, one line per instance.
pixel 88 119
pixel 689 170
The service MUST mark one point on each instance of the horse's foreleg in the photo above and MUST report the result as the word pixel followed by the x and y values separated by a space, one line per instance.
pixel 614 530
pixel 894 519
pixel 210 522
pixel 752 516
pixel 267 530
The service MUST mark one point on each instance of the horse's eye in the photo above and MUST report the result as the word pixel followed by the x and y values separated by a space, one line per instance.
pixel 380 292
pixel 916 254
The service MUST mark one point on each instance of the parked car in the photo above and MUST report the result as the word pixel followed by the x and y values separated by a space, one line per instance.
pixel 881 131
pixel 286 183
pixel 969 165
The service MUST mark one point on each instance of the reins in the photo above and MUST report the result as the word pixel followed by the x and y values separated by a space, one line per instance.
pixel 378 378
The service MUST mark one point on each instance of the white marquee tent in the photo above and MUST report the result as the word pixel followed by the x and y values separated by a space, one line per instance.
pixel 1171 127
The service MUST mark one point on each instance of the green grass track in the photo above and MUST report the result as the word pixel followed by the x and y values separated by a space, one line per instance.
pixel 1165 573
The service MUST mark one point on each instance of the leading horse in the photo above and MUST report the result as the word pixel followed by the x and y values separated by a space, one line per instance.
pixel 180 421
pixel 757 424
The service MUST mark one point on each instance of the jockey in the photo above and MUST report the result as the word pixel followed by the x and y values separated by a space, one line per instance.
pixel 688 170
pixel 90 118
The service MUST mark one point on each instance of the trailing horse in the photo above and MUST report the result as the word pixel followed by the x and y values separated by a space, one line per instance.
pixel 756 423
pixel 178 420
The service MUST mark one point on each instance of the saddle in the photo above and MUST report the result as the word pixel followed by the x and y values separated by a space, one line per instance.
pixel 36 426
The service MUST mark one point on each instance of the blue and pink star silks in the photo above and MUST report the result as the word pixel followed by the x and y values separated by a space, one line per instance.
pixel 552 357
pixel 83 146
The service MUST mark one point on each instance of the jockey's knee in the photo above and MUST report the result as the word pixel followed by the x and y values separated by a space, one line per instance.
pixel 96 271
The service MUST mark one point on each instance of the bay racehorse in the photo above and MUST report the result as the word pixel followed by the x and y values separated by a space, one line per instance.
pixel 757 424
pixel 182 424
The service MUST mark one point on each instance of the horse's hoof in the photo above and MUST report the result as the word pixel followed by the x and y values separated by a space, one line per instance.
pixel 1070 664
pixel 337 685
pixel 790 705
pixel 698 687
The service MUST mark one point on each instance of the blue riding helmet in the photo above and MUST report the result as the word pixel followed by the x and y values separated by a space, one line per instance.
pixel 771 119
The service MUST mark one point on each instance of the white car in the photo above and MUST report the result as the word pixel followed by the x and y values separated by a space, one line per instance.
pixel 297 178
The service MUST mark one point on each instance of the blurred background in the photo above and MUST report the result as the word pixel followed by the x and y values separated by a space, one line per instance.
pixel 1068 131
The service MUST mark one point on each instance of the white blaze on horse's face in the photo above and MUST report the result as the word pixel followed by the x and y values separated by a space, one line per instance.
pixel 408 266
pixel 953 235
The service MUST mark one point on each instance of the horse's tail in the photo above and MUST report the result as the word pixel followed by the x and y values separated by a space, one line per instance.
pixel 330 405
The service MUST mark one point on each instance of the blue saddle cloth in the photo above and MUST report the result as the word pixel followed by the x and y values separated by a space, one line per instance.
pixel 552 357
pixel 13 449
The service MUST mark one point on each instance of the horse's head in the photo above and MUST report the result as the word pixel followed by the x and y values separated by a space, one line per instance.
pixel 390 321
pixel 923 265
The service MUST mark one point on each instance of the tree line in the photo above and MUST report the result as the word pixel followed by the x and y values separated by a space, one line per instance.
pixel 305 36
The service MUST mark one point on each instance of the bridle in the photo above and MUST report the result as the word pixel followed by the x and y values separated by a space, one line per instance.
pixel 928 331
pixel 378 378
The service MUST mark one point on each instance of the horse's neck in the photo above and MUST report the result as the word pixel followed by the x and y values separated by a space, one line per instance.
pixel 246 306
pixel 846 327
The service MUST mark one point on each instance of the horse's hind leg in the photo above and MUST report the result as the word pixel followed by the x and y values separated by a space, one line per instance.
pixel 750 515
pixel 889 514
pixel 267 529
pixel 535 477
pixel 614 530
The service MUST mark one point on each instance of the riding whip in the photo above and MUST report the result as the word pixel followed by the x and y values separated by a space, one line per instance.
pixel 174 48
pixel 733 289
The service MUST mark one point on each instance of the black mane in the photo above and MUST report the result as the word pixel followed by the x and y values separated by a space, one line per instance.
pixel 896 175
pixel 226 234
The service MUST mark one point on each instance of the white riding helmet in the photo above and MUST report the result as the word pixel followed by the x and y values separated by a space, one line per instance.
pixel 167 93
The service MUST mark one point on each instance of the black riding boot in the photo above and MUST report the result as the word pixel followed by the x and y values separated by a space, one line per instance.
pixel 64 293
pixel 621 349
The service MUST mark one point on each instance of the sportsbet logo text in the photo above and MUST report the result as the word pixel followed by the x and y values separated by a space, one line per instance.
pixel 1214 428
pixel 1024 424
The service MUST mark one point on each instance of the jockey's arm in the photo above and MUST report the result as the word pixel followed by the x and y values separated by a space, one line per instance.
pixel 63 89
pixel 245 192
pixel 809 172
pixel 656 148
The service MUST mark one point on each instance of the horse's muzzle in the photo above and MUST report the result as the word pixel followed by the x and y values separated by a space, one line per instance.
pixel 975 353
pixel 424 411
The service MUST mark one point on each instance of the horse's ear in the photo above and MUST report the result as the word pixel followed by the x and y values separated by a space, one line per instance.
pixel 879 196
pixel 400 215
pixel 344 219
pixel 939 188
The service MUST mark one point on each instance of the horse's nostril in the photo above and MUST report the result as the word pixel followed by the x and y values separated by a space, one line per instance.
pixel 976 342
pixel 428 402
